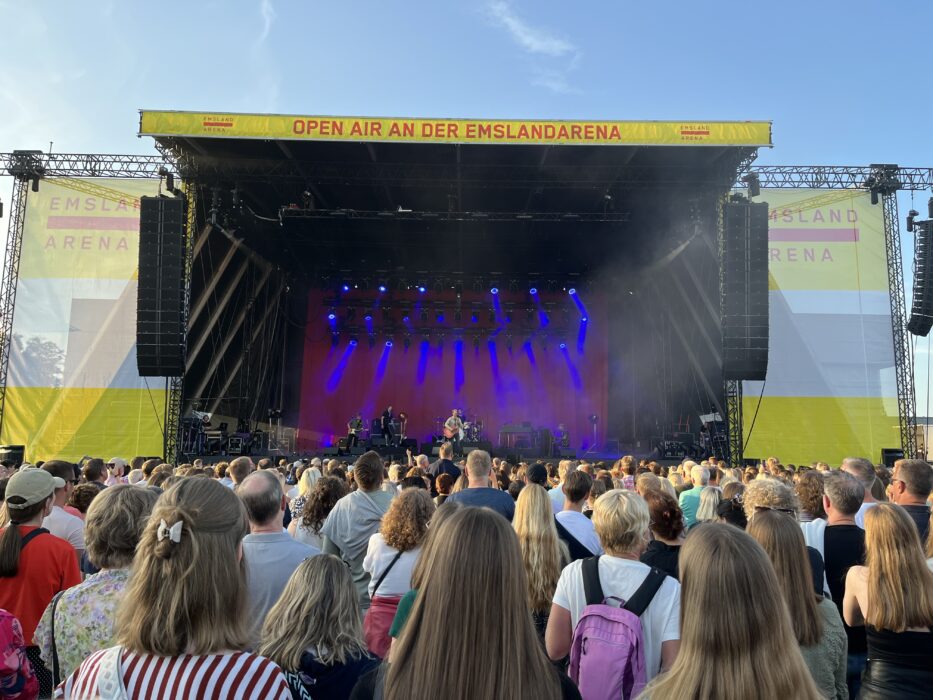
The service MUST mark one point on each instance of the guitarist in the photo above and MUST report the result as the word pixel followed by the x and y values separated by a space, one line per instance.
pixel 354 428
pixel 387 425
pixel 453 430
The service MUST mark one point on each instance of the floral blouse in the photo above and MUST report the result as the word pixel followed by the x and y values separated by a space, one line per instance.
pixel 17 680
pixel 84 620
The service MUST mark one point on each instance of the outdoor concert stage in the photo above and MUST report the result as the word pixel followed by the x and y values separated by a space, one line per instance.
pixel 532 274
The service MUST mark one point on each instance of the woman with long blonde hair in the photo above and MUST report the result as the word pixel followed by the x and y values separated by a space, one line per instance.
pixel 544 555
pixel 814 618
pixel 750 641
pixel 184 608
pixel 892 595
pixel 314 632
pixel 485 645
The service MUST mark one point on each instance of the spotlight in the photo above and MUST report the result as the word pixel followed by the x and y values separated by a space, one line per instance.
pixel 382 288
pixel 533 291
pixel 406 319
pixel 353 342
pixel 563 346
pixel 368 318
pixel 753 183
pixel 440 317
pixel 346 288
pixel 388 343
pixel 494 290
pixel 331 316
pixel 571 291
pixel 422 290
pixel 474 318
pixel 584 319
pixel 911 215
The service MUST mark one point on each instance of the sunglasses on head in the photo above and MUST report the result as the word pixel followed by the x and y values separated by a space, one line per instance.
pixel 789 511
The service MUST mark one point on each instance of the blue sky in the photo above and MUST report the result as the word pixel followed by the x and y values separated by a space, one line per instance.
pixel 844 83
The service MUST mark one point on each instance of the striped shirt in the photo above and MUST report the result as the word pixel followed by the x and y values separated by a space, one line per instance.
pixel 208 677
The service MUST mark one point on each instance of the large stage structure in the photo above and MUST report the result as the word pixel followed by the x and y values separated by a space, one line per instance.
pixel 284 231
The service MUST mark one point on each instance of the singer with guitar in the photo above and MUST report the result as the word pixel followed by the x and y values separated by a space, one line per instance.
pixel 453 431
pixel 354 428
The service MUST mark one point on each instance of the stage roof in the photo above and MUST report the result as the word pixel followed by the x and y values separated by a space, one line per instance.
pixel 331 192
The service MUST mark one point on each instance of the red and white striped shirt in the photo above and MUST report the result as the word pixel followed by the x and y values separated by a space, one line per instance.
pixel 208 677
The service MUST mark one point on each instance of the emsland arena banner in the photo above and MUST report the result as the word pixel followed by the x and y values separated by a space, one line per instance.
pixel 73 388
pixel 830 390
pixel 420 130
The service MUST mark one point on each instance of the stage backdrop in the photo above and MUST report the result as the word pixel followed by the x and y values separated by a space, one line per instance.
pixel 535 381
pixel 73 388
pixel 830 390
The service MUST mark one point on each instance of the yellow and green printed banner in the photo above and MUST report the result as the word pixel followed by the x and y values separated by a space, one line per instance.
pixel 421 130
pixel 830 390
pixel 73 388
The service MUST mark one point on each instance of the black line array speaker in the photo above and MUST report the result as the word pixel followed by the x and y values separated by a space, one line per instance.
pixel 921 310
pixel 160 326
pixel 745 315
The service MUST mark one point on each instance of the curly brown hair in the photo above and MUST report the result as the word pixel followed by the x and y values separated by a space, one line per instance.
pixel 406 522
pixel 321 501
pixel 809 490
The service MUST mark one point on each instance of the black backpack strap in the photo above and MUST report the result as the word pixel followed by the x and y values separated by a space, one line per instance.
pixel 32 535
pixel 385 573
pixel 591 586
pixel 642 598
pixel 574 547
pixel 56 670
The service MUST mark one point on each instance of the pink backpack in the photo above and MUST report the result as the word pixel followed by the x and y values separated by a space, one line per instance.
pixel 607 656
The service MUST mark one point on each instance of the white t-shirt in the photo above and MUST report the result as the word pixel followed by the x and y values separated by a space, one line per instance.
pixel 63 524
pixel 378 556
pixel 556 495
pixel 860 515
pixel 581 527
pixel 307 536
pixel 621 578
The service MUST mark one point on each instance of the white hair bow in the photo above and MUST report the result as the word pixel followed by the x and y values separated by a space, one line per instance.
pixel 173 532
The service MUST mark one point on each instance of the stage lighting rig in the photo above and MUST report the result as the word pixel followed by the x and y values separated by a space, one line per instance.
pixel 753 184
pixel 911 215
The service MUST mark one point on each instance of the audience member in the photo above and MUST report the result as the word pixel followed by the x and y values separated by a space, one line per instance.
pixel 621 519
pixel 269 553
pixel 479 474
pixel 443 484
pixel 320 502
pixel 389 561
pixel 239 469
pixel 184 610
pixel 809 490
pixel 571 520
pixel 80 620
pixel 18 680
pixel 94 471
pixel 443 465
pixel 863 471
pixel 690 499
pixel 486 646
pixel 116 469
pixel 556 494
pixel 309 477
pixel 59 522
pixel 743 649
pixel 892 596
pixel 815 621
pixel 355 518
pixel 81 497
pixel 544 554
pixel 709 503
pixel 911 484
pixel 666 523
pixel 314 632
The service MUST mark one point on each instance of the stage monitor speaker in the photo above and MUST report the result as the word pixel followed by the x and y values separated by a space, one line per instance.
pixel 921 310
pixel 357 450
pixel 160 324
pixel 377 440
pixel 342 443
pixel 331 452
pixel 567 454
pixel 890 455
pixel 744 303
pixel 409 444
pixel 14 454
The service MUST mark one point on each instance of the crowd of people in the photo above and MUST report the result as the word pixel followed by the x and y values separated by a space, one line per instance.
pixel 470 579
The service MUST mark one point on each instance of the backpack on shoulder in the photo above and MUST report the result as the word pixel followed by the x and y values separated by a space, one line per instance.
pixel 607 655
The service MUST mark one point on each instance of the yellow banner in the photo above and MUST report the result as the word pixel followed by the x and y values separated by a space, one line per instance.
pixel 532 131
pixel 73 388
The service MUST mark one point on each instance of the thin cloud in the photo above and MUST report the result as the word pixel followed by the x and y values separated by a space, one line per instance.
pixel 268 17
pixel 531 39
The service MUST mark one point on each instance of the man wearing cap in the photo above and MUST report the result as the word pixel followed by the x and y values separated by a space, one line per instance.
pixel 116 470
pixel 43 564
pixel 60 522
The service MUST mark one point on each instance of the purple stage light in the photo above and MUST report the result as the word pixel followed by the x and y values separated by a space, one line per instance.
pixel 388 343
pixel 563 346
pixel 474 318
pixel 422 290
pixel 367 317
pixel 494 290
pixel 331 317
pixel 382 288
pixel 571 291
pixel 533 291
pixel 584 319
pixel 353 342
pixel 406 319
pixel 346 287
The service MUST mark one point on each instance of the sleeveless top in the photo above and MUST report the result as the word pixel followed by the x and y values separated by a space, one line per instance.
pixel 906 649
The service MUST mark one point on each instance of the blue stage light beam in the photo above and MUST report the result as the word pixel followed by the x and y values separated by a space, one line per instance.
pixel 571 369
pixel 383 363
pixel 333 382
pixel 581 335
pixel 458 365
pixel 576 300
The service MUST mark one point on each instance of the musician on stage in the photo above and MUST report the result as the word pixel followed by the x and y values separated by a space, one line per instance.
pixel 561 439
pixel 453 430
pixel 387 425
pixel 354 428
